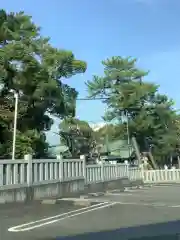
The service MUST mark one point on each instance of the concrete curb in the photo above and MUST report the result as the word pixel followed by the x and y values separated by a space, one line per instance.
pixel 86 199
pixel 134 188
pixel 136 183
pixel 2 201
pixel 49 201
pixel 116 190
pixel 71 201
pixel 148 185
pixel 98 194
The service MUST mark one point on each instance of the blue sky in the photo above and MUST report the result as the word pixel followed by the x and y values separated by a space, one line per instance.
pixel 95 30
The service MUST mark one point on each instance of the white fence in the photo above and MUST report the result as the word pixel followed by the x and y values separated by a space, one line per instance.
pixel 96 173
pixel 31 172
pixel 135 173
pixel 103 172
pixel 28 172
pixel 161 176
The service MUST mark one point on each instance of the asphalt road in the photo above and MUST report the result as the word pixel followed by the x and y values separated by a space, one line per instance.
pixel 137 214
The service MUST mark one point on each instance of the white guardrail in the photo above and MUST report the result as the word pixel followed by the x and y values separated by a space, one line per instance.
pixel 161 176
pixel 29 172
pixel 103 172
pixel 39 171
pixel 155 176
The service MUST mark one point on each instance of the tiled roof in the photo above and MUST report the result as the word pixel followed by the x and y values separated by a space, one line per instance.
pixel 118 148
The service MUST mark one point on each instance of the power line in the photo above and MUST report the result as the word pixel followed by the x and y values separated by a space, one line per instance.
pixel 121 108
pixel 91 99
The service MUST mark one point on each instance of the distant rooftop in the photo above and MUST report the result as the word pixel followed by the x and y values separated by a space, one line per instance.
pixel 118 148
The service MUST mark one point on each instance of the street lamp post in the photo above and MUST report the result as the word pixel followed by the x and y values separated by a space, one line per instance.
pixel 107 132
pixel 15 125
pixel 128 135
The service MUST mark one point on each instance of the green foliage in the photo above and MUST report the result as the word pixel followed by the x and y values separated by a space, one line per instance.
pixel 150 115
pixel 80 134
pixel 34 69
pixel 116 70
pixel 109 129
pixel 30 66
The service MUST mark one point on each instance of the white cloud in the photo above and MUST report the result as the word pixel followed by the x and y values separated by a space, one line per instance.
pixel 97 126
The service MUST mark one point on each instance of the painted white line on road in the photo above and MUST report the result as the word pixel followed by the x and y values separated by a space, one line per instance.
pixel 149 204
pixel 46 221
pixel 175 206
pixel 57 216
pixel 167 185
pixel 133 190
pixel 119 194
pixel 132 193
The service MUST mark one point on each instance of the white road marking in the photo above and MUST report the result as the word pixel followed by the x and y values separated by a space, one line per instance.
pixel 119 194
pixel 166 185
pixel 60 217
pixel 133 190
pixel 149 204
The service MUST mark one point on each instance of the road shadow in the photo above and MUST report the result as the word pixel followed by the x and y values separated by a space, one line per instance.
pixel 158 231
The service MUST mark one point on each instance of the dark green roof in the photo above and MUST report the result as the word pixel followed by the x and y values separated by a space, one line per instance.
pixel 118 148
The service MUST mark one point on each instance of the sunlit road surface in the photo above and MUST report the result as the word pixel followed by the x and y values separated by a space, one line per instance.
pixel 131 215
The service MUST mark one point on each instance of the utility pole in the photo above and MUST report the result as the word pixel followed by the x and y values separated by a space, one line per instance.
pixel 107 134
pixel 128 135
pixel 15 125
